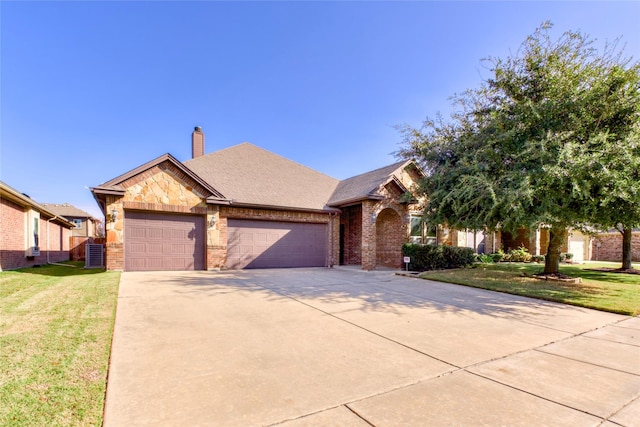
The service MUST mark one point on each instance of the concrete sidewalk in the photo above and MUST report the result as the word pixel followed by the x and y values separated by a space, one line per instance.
pixel 307 347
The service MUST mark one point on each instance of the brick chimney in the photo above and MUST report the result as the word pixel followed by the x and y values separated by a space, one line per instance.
pixel 197 142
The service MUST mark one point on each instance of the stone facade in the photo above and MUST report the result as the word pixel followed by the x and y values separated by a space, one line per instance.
pixel 162 188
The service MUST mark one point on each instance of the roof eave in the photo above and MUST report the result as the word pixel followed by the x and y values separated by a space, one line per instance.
pixel 24 201
pixel 326 210
pixel 355 200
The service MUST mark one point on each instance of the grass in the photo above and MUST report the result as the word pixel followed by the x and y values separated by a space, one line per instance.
pixel 614 292
pixel 56 325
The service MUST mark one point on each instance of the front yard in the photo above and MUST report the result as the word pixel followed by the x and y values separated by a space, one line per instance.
pixel 614 292
pixel 56 325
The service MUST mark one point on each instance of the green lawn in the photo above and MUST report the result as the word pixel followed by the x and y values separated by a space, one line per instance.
pixel 56 325
pixel 614 292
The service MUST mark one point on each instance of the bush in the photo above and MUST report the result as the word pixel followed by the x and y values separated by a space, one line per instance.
pixel 537 258
pixel 519 255
pixel 485 258
pixel 430 257
pixel 498 256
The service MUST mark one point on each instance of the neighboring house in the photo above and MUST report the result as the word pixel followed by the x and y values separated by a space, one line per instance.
pixel 607 246
pixel 30 234
pixel 245 207
pixel 584 247
pixel 85 231
pixel 85 224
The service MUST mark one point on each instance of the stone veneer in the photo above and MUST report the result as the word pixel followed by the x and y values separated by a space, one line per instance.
pixel 162 188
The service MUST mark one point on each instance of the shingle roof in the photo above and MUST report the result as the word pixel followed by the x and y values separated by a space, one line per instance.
pixel 66 210
pixel 363 186
pixel 248 174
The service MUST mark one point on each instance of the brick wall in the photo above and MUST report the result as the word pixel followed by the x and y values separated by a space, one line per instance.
pixel 54 239
pixel 390 236
pixel 608 247
pixel 12 239
pixel 351 220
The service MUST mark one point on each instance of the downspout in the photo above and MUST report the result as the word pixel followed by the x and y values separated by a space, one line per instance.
pixel 49 247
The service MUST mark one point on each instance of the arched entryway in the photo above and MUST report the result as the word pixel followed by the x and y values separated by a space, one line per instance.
pixel 390 235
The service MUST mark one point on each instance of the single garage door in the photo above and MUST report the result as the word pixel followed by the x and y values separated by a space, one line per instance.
pixel 269 244
pixel 156 241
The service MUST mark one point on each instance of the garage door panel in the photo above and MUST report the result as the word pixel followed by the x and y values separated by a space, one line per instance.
pixel 269 244
pixel 155 241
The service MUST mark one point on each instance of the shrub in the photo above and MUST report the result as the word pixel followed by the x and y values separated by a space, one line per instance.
pixel 484 258
pixel 498 256
pixel 537 258
pixel 430 257
pixel 520 255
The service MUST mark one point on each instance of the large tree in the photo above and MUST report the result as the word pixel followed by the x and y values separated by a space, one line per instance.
pixel 506 158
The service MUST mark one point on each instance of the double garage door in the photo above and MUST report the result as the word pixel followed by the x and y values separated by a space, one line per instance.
pixel 155 241
pixel 269 244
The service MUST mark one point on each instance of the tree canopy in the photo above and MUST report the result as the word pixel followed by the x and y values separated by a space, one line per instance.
pixel 550 139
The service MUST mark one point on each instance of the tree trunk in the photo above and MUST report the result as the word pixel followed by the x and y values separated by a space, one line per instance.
pixel 626 248
pixel 557 238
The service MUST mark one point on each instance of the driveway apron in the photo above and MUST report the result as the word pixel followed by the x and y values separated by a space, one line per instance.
pixel 305 347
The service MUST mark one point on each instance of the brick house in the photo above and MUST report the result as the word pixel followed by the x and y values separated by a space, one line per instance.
pixel 607 246
pixel 87 228
pixel 245 207
pixel 85 224
pixel 601 246
pixel 30 234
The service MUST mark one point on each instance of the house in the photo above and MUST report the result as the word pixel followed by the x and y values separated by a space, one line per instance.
pixel 599 246
pixel 85 224
pixel 86 230
pixel 607 246
pixel 30 234
pixel 246 207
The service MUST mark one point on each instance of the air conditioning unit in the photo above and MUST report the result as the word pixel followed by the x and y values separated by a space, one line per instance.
pixel 33 251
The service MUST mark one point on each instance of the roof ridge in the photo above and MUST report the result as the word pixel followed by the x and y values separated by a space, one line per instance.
pixel 249 144
pixel 397 164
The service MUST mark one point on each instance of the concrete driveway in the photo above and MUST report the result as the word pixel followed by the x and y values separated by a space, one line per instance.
pixel 307 347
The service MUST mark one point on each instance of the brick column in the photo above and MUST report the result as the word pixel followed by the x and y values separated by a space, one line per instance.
pixel 368 236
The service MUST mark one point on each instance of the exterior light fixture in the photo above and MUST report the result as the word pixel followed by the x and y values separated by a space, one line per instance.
pixel 114 215
pixel 212 222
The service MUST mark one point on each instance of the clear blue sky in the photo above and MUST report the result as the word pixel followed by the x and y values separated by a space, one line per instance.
pixel 91 90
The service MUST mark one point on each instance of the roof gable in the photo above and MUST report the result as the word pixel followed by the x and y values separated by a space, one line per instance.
pixel 66 210
pixel 368 185
pixel 251 175
pixel 118 185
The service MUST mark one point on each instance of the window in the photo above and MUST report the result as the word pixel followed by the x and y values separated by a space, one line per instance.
pixel 77 223
pixel 422 232
pixel 32 236
pixel 416 226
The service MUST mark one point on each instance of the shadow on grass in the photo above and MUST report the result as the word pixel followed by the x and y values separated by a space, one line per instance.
pixel 70 268
pixel 571 270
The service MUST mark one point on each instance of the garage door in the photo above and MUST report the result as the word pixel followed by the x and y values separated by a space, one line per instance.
pixel 156 241
pixel 268 244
